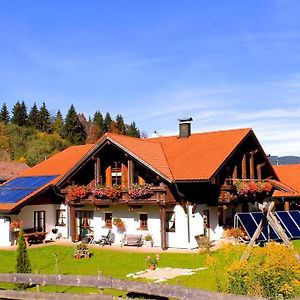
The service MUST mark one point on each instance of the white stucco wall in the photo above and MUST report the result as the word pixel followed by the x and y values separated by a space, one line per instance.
pixel 27 216
pixel 131 220
pixel 183 237
pixel 4 232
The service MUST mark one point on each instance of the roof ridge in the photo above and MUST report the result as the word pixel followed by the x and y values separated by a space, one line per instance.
pixel 200 133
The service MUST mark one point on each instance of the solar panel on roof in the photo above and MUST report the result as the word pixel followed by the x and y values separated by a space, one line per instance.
pixel 289 220
pixel 20 187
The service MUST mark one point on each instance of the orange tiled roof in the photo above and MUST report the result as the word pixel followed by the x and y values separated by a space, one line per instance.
pixel 197 157
pixel 289 175
pixel 58 164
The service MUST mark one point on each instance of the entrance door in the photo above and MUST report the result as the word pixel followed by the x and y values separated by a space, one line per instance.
pixel 83 220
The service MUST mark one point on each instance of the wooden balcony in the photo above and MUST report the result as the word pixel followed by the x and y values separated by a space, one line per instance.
pixel 158 197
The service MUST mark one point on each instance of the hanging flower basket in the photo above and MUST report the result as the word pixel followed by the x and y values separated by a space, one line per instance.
pixel 140 191
pixel 119 223
pixel 107 192
pixel 252 188
pixel 76 192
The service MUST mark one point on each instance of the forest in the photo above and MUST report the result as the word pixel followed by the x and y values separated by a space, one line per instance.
pixel 33 135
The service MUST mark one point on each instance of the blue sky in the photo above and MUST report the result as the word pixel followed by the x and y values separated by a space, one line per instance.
pixel 228 64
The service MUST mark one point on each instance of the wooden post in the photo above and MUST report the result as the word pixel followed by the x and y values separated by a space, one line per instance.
pixel 108 176
pixel 124 171
pixel 235 173
pixel 163 227
pixel 72 223
pixel 130 172
pixel 258 168
pixel 98 170
pixel 252 172
pixel 244 167
pixel 286 205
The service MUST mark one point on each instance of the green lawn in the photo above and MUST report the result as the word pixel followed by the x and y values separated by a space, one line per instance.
pixel 119 263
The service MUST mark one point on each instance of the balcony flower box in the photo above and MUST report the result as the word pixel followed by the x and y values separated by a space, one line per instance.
pixel 252 188
pixel 76 192
pixel 137 191
pixel 107 192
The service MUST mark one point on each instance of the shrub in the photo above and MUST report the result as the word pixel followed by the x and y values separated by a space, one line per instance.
pixel 23 262
pixel 271 271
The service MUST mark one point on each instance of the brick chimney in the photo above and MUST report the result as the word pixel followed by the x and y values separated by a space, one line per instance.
pixel 185 127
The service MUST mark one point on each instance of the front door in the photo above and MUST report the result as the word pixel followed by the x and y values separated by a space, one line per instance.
pixel 84 226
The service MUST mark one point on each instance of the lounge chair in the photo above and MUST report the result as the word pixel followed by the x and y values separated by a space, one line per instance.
pixel 107 239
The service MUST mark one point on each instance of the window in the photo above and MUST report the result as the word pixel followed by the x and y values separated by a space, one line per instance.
pixel 39 221
pixel 60 217
pixel 116 173
pixel 108 219
pixel 170 221
pixel 144 221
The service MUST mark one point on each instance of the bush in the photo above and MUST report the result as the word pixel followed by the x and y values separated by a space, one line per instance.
pixel 271 272
pixel 23 262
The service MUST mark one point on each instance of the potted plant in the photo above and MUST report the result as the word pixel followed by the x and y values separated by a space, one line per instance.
pixel 138 191
pixel 81 251
pixel 148 240
pixel 119 223
pixel 152 261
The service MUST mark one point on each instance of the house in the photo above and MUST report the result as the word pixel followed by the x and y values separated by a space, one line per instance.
pixel 174 187
pixel 10 169
pixel 290 176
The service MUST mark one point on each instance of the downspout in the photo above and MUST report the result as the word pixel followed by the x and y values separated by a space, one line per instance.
pixel 182 197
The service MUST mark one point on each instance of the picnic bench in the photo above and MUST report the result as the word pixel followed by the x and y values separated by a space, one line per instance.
pixel 34 237
pixel 132 240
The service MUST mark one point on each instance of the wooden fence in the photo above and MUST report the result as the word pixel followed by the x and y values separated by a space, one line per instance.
pixel 103 282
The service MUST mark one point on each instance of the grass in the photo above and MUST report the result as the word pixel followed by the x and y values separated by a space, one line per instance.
pixel 118 264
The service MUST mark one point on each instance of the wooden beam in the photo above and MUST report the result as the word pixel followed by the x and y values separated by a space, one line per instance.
pixel 286 205
pixel 252 166
pixel 130 172
pixel 124 171
pixel 73 223
pixel 244 167
pixel 235 172
pixel 258 169
pixel 163 227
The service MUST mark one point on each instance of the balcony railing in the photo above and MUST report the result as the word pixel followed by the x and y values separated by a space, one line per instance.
pixel 113 195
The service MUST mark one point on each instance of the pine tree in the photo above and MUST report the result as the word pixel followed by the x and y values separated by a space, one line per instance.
pixel 23 262
pixel 98 119
pixel 132 130
pixel 107 122
pixel 33 116
pixel 4 114
pixel 73 129
pixel 44 119
pixel 120 124
pixel 19 114
pixel 58 123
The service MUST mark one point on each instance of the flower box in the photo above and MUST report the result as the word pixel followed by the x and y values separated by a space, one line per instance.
pixel 107 192
pixel 140 191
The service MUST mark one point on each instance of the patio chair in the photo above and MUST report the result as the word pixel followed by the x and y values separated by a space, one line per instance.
pixel 107 239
